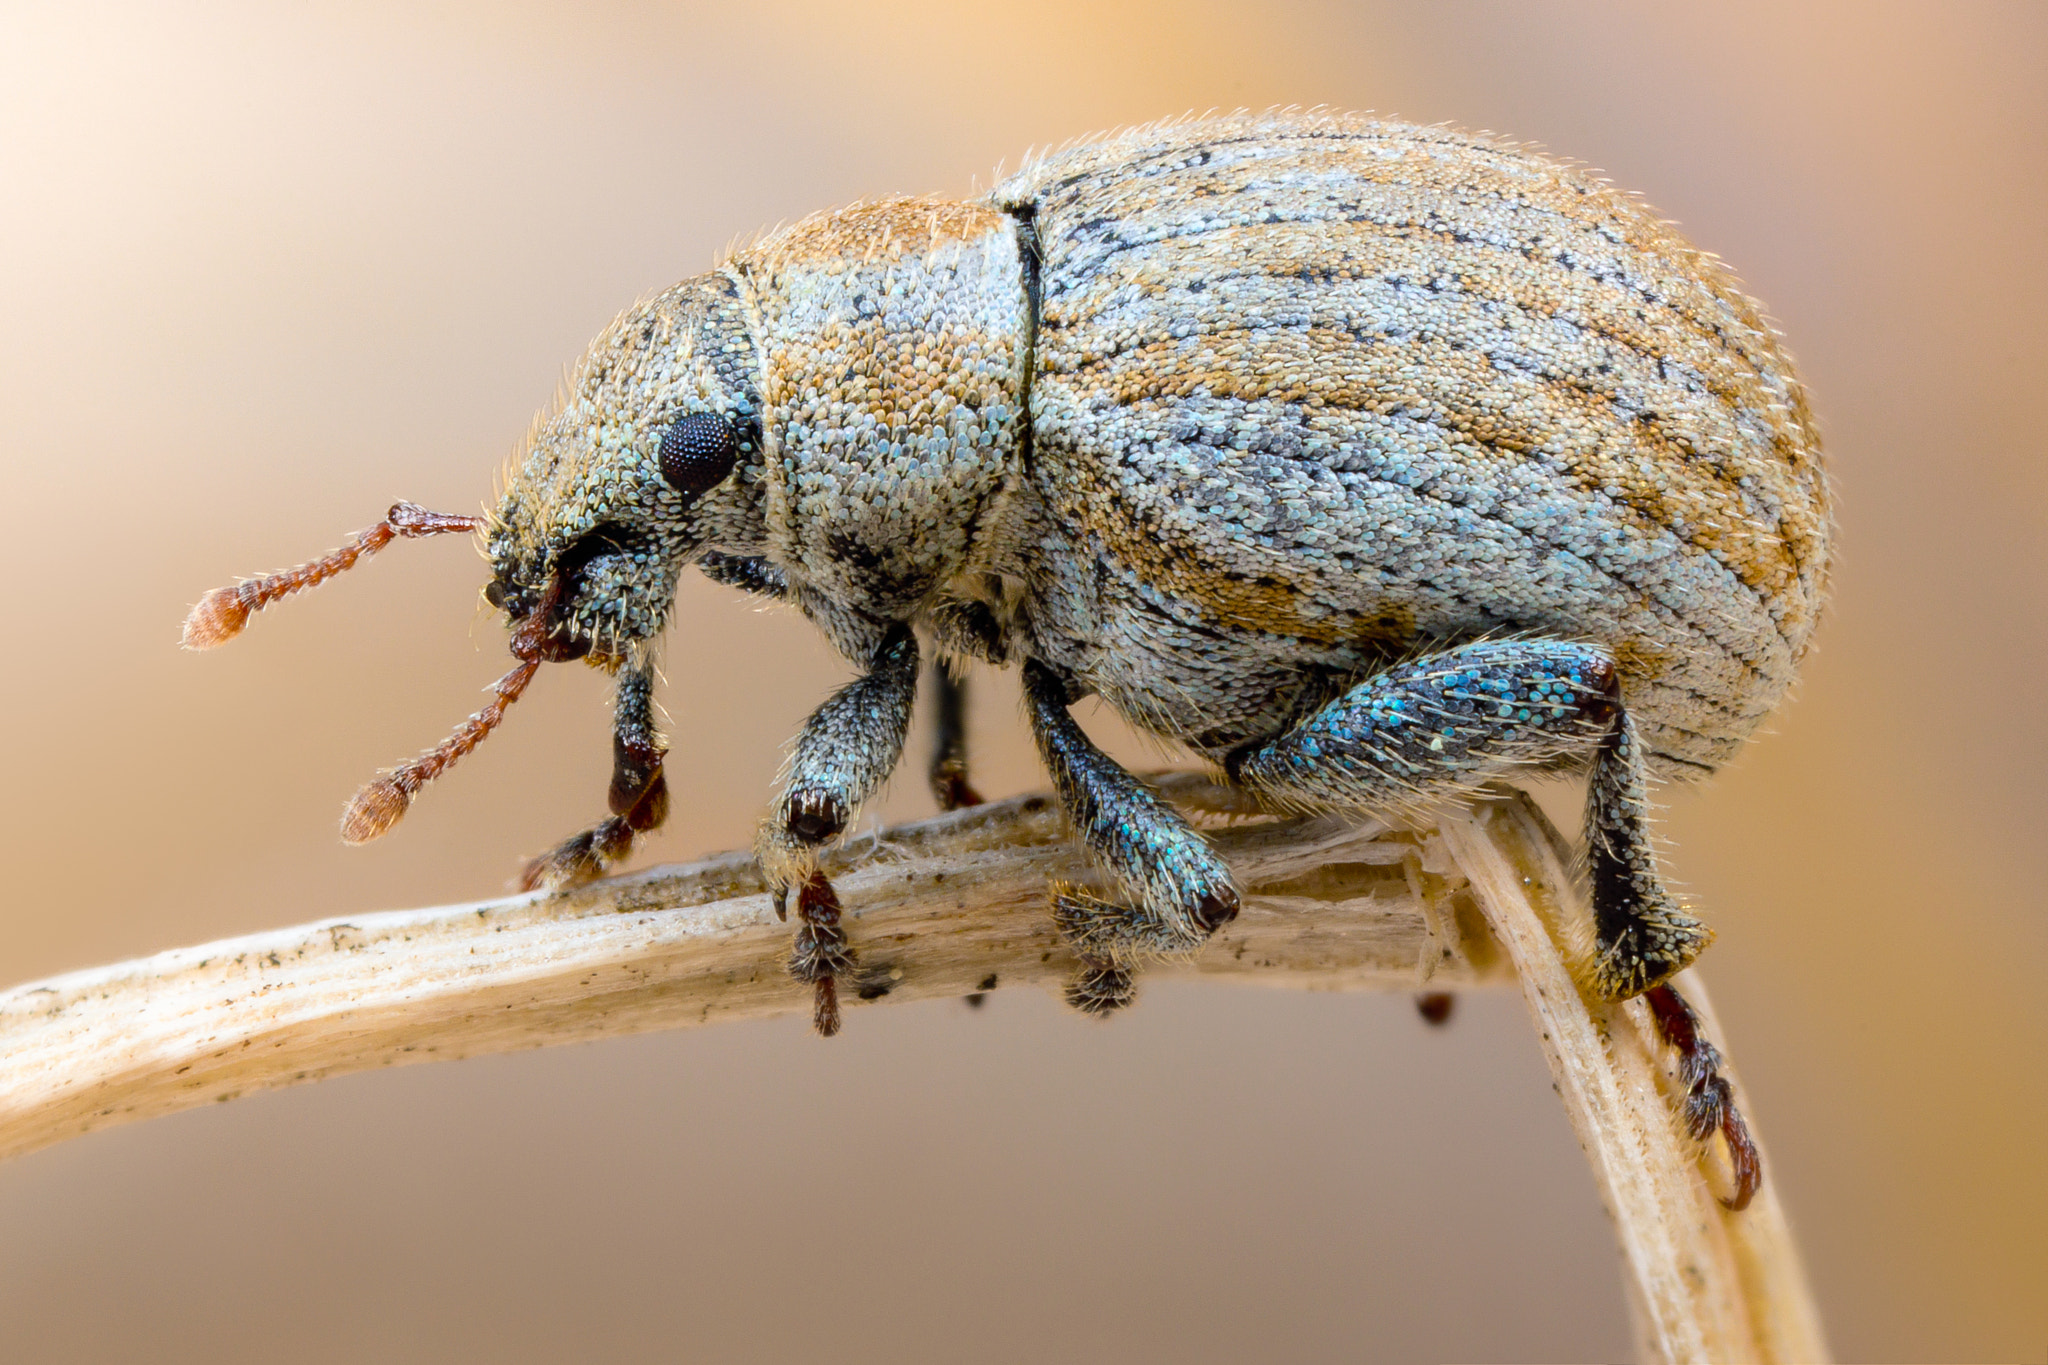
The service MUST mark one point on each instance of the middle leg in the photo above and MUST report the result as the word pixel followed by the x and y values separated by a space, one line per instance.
pixel 948 773
pixel 1178 891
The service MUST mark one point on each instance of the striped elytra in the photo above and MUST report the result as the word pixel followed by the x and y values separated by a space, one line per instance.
pixel 1327 386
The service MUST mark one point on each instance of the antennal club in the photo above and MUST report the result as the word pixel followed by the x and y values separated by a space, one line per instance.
pixel 222 613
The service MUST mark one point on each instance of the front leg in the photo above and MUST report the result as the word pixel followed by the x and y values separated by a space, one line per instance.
pixel 1179 891
pixel 638 797
pixel 844 753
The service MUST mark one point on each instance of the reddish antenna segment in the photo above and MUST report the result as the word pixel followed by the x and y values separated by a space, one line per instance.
pixel 222 613
pixel 383 802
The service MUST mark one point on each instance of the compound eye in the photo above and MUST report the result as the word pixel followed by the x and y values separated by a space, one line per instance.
pixel 697 452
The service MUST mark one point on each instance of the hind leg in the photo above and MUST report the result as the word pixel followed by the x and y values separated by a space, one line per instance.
pixel 1709 1098
pixel 1445 723
pixel 1643 937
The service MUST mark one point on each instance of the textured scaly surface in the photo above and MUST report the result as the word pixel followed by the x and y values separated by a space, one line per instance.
pixel 1317 390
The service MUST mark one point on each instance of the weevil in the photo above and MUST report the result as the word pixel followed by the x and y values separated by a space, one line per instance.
pixel 1368 462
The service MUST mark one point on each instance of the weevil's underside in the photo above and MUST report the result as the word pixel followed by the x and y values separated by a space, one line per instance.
pixel 1369 462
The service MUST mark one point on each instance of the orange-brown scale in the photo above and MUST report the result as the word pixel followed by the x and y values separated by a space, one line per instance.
pixel 1706 314
pixel 893 344
pixel 1529 202
pixel 1458 385
pixel 1456 361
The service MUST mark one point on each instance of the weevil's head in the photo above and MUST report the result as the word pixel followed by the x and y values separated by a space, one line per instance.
pixel 653 455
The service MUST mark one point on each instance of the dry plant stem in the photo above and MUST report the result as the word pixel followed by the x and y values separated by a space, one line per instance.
pixel 937 909
pixel 1705 1283
pixel 951 906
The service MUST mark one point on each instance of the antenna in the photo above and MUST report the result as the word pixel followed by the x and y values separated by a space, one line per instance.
pixel 221 614
pixel 383 802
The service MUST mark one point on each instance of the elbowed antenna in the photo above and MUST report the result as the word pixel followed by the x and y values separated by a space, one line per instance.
pixel 221 614
pixel 383 801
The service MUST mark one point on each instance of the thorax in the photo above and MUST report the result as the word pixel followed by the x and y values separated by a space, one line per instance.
pixel 895 344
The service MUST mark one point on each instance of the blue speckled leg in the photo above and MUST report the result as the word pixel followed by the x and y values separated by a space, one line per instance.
pixel 749 573
pixel 844 753
pixel 1443 724
pixel 1179 891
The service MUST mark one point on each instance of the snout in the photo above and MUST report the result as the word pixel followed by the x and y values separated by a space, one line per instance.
pixel 601 593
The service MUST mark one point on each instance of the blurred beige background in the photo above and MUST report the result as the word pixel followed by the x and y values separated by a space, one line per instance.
pixel 267 268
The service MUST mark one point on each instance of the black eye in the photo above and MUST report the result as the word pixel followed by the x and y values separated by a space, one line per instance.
pixel 697 451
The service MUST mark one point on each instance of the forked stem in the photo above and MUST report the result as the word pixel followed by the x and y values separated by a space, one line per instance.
pixel 954 906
